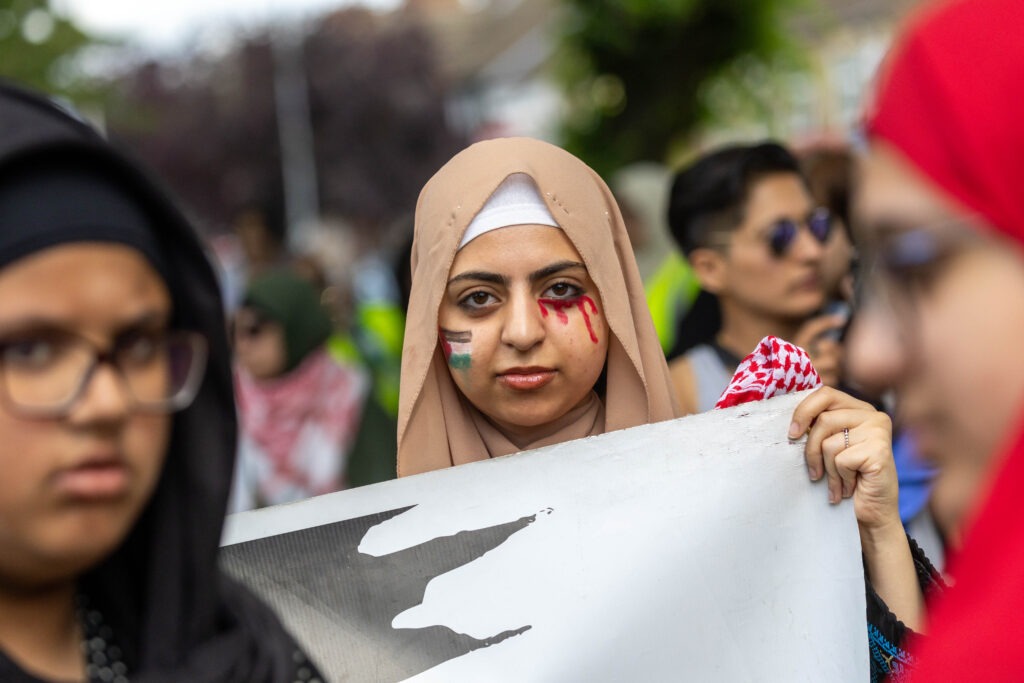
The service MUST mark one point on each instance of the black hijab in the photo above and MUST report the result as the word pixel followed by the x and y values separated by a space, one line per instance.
pixel 174 613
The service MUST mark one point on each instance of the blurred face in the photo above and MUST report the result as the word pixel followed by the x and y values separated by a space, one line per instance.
pixel 259 344
pixel 941 324
pixel 750 275
pixel 523 328
pixel 73 486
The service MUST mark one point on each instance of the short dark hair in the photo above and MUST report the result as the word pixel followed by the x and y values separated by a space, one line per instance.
pixel 710 195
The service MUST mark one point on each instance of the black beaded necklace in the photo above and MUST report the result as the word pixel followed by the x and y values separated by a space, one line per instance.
pixel 104 661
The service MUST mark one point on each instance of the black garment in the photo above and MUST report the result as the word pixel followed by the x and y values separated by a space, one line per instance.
pixel 175 614
pixel 887 635
pixel 11 673
pixel 104 658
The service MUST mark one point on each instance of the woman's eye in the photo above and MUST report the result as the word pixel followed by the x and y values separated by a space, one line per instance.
pixel 914 259
pixel 140 347
pixel 30 353
pixel 476 300
pixel 563 290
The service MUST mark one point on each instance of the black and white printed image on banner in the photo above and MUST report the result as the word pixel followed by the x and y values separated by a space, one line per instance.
pixel 695 549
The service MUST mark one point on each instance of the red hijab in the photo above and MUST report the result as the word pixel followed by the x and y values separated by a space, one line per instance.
pixel 952 101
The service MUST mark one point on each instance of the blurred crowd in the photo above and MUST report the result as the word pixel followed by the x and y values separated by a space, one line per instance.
pixel 892 261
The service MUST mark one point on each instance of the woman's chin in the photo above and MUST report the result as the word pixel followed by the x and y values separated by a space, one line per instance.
pixel 83 543
pixel 525 422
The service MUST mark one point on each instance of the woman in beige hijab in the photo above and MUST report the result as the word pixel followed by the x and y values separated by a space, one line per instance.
pixel 509 329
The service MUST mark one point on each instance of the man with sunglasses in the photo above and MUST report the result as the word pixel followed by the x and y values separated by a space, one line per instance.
pixel 744 217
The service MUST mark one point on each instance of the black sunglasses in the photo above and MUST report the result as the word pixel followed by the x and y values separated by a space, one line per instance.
pixel 783 232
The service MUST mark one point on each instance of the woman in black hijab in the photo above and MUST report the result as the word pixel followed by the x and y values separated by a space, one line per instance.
pixel 117 426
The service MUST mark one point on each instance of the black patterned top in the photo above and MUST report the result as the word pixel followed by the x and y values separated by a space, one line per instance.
pixel 887 634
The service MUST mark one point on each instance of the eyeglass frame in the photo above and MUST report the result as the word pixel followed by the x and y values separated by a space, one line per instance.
pixel 179 401
pixel 880 275
pixel 769 237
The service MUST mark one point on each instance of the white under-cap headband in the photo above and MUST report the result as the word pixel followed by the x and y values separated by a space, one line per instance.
pixel 516 202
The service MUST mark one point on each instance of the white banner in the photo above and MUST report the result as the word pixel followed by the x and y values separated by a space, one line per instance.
pixel 692 550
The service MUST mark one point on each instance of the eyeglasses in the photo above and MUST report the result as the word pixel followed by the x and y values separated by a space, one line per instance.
pixel 783 232
pixel 901 264
pixel 43 374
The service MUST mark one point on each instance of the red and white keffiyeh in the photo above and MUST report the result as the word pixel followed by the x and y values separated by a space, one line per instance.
pixel 296 431
pixel 775 367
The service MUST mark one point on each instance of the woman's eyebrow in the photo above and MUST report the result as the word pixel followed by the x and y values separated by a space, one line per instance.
pixel 556 267
pixel 482 275
pixel 148 319
pixel 495 278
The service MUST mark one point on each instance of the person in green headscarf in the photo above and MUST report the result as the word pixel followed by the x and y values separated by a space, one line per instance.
pixel 300 407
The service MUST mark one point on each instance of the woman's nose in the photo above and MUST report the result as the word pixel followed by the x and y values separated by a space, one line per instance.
pixel 808 247
pixel 105 397
pixel 524 322
pixel 875 349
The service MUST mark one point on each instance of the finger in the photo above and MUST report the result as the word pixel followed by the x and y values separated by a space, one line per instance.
pixel 848 462
pixel 826 357
pixel 823 401
pixel 832 422
pixel 828 436
pixel 830 448
pixel 827 349
pixel 869 454
pixel 826 368
pixel 851 464
pixel 814 459
pixel 815 327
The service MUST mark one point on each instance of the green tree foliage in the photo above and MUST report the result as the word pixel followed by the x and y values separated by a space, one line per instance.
pixel 38 46
pixel 635 70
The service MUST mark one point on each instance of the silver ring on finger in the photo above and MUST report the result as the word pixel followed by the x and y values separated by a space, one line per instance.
pixel 846 438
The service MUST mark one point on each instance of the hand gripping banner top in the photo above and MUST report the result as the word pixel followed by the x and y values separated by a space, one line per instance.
pixel 774 368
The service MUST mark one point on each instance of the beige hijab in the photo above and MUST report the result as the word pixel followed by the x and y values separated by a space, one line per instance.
pixel 437 427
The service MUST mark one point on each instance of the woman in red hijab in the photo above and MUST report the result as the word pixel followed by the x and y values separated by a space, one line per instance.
pixel 943 321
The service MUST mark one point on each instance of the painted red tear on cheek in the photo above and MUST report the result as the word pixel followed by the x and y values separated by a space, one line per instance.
pixel 560 305
pixel 581 304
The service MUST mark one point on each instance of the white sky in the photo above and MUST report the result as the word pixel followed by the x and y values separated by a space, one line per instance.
pixel 167 23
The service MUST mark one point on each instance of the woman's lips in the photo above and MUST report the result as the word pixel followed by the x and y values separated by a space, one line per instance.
pixel 96 480
pixel 526 379
pixel 809 283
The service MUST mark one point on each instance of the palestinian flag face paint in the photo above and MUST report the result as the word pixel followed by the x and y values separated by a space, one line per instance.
pixel 456 347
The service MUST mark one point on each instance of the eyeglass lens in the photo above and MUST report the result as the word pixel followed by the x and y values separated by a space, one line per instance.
pixel 783 232
pixel 47 373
